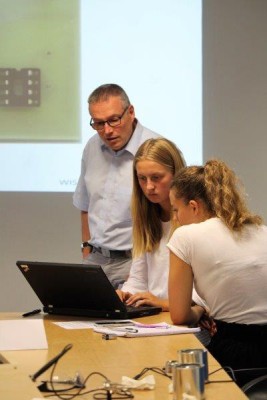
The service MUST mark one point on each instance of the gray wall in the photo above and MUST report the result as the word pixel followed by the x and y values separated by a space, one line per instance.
pixel 45 226
pixel 235 91
pixel 34 226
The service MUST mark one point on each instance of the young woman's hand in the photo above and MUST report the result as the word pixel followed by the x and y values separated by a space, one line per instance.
pixel 124 296
pixel 208 323
pixel 147 298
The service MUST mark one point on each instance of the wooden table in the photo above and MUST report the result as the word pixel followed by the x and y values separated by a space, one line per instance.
pixel 113 358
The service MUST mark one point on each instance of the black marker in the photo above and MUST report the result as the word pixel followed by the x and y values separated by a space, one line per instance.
pixel 28 314
pixel 51 362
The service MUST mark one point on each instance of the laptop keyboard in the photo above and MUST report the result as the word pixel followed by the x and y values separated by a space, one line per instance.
pixel 133 308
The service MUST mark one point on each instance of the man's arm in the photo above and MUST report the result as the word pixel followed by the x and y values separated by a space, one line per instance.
pixel 85 232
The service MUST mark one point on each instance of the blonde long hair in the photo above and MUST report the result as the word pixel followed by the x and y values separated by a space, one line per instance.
pixel 147 227
pixel 219 189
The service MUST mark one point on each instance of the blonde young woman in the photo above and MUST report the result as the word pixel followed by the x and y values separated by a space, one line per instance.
pixel 221 248
pixel 154 166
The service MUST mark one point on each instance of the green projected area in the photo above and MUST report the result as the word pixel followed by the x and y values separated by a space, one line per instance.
pixel 39 70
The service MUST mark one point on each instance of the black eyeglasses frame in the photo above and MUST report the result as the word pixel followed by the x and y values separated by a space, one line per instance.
pixel 113 122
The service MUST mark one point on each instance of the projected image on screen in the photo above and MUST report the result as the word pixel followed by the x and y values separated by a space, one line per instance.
pixel 39 71
pixel 152 50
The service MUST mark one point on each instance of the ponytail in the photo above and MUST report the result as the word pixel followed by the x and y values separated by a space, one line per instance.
pixel 219 189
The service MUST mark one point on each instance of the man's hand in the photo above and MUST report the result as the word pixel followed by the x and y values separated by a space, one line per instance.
pixel 86 251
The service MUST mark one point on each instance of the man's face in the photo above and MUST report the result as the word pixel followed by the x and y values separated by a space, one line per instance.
pixel 118 136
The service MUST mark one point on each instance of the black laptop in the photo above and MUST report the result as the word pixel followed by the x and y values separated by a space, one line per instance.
pixel 78 289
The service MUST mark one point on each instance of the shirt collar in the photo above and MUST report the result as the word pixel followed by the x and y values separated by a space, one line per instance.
pixel 133 144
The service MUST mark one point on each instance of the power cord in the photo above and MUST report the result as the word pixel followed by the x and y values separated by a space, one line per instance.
pixel 106 392
pixel 226 369
pixel 157 370
pixel 232 371
pixel 161 371
pixel 251 369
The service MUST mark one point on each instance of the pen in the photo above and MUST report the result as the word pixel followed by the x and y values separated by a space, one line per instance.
pixel 124 329
pixel 114 326
pixel 28 314
pixel 115 323
pixel 162 326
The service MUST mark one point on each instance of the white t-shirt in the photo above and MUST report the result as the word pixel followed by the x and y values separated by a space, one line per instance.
pixel 150 272
pixel 230 269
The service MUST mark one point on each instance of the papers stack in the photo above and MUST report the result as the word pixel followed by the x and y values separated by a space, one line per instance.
pixel 137 329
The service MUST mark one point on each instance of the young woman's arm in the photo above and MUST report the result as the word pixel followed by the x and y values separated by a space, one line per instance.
pixel 138 279
pixel 180 293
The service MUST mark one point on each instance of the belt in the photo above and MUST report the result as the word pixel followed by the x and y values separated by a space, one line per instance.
pixel 112 253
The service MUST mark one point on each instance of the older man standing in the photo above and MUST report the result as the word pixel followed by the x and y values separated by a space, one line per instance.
pixel 103 192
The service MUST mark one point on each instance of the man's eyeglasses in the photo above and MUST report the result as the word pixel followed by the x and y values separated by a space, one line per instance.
pixel 114 121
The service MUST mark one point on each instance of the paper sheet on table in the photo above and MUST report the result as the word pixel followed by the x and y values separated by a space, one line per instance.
pixel 22 335
pixel 87 324
pixel 139 329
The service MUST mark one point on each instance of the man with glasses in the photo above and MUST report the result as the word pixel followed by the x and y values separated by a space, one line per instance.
pixel 103 192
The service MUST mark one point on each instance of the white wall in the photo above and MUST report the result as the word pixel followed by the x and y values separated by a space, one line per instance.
pixel 45 226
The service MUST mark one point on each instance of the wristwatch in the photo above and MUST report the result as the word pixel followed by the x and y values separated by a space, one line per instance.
pixel 86 244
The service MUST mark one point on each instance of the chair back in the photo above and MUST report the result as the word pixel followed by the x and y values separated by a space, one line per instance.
pixel 256 389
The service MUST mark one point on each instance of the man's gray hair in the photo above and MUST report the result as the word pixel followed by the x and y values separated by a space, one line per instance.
pixel 107 90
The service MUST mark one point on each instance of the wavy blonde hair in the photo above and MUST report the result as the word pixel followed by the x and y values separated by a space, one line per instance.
pixel 147 227
pixel 220 190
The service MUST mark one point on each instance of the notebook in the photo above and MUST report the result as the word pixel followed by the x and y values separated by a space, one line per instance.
pixel 78 289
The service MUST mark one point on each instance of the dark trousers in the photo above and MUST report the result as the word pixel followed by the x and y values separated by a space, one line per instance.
pixel 240 346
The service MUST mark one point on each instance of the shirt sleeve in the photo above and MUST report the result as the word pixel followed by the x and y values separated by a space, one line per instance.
pixel 179 245
pixel 138 278
pixel 80 197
